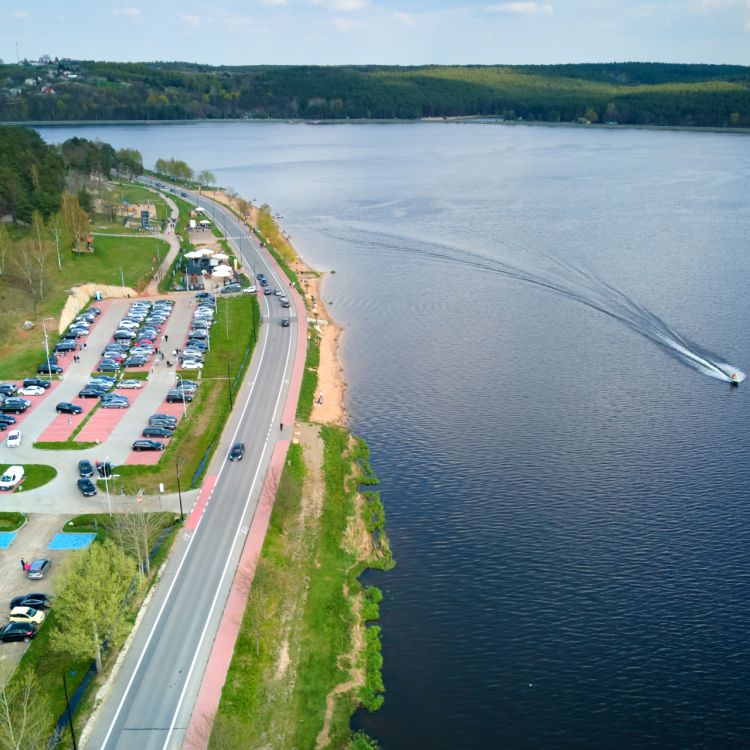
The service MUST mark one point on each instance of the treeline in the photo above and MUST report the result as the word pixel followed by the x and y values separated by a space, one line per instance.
pixel 33 174
pixel 632 93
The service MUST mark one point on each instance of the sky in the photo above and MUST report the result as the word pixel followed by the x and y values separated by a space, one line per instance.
pixel 394 32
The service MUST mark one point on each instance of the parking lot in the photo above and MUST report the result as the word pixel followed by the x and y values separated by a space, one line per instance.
pixel 114 430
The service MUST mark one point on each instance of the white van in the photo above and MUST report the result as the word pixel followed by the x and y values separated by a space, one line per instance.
pixel 13 475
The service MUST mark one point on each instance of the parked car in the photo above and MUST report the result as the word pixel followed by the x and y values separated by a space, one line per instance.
pixel 231 288
pixel 85 468
pixel 108 366
pixel 153 431
pixel 7 419
pixel 15 405
pixel 86 487
pixel 14 439
pixel 237 452
pixel 114 402
pixel 165 417
pixel 250 290
pixel 49 369
pixel 32 390
pixel 135 361
pixel 8 389
pixel 65 407
pixel 148 445
pixel 17 631
pixel 191 365
pixel 27 615
pixel 36 381
pixel 37 601
pixel 91 391
pixel 66 345
pixel 129 384
pixel 39 568
pixel 178 397
pixel 12 476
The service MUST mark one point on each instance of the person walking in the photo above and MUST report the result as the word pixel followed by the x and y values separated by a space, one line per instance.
pixel 23 564
pixel 166 338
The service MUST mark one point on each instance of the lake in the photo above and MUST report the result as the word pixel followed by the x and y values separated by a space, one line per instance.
pixel 539 326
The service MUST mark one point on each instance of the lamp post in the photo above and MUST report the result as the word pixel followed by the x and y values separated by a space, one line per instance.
pixel 179 489
pixel 67 709
pixel 122 280
pixel 46 346
pixel 229 381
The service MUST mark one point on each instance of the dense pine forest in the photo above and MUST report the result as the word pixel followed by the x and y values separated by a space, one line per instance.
pixel 625 93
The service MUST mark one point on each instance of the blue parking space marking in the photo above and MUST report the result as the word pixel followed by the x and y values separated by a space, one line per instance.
pixel 6 538
pixel 71 541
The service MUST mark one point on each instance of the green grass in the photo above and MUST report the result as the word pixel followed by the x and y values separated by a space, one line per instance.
pixel 100 524
pixel 309 386
pixel 133 256
pixel 11 521
pixel 37 475
pixel 66 445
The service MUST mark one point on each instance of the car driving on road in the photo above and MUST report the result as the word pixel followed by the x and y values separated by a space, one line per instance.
pixel 237 452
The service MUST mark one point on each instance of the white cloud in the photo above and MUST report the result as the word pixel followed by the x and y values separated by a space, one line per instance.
pixel 21 14
pixel 709 5
pixel 405 18
pixel 273 2
pixel 522 8
pixel 128 11
pixel 346 24
pixel 343 6
pixel 191 20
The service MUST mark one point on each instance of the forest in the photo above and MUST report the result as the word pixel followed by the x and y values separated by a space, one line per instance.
pixel 624 93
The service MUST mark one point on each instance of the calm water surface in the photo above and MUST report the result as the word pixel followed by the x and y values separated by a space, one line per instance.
pixel 567 501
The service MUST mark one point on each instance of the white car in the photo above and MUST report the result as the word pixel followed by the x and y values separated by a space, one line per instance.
pixel 130 384
pixel 14 439
pixel 189 365
pixel 32 390
pixel 250 290
pixel 13 475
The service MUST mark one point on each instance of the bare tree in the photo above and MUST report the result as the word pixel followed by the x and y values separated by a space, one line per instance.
pixel 29 262
pixel 25 715
pixel 136 534
pixel 58 230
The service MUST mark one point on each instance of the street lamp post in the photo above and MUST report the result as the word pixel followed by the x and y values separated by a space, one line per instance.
pixel 46 346
pixel 67 709
pixel 179 488
pixel 229 381
pixel 122 280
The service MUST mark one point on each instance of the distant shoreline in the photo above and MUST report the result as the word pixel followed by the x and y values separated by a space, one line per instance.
pixel 460 120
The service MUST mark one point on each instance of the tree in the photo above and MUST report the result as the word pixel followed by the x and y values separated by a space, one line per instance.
pixel 6 243
pixel 129 162
pixel 29 262
pixel 76 219
pixel 136 533
pixel 206 178
pixel 58 231
pixel 90 605
pixel 244 208
pixel 25 715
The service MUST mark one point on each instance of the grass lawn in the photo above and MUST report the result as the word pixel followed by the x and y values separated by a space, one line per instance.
pixel 37 475
pixel 199 431
pixel 11 521
pixel 21 351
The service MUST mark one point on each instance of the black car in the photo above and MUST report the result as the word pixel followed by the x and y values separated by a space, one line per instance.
pixel 178 397
pixel 87 487
pixel 96 310
pixel 91 392
pixel 153 431
pixel 6 419
pixel 135 361
pixel 17 631
pixel 35 601
pixel 285 322
pixel 65 407
pixel 108 366
pixel 14 405
pixel 49 369
pixel 166 417
pixel 148 445
pixel 36 381
pixel 66 345
pixel 237 452
pixel 8 389
pixel 85 468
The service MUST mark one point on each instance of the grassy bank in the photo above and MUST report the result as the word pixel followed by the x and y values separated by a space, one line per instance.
pixel 10 521
pixel 309 386
pixel 37 475
pixel 303 632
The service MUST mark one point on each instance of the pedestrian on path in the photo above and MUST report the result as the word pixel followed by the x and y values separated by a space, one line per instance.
pixel 23 564
pixel 166 338
pixel 85 346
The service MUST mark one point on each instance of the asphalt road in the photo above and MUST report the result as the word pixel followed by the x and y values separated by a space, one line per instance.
pixel 151 701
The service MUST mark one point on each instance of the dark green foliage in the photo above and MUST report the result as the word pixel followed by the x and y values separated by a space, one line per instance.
pixel 638 93
pixel 371 694
pixel 361 741
pixel 31 175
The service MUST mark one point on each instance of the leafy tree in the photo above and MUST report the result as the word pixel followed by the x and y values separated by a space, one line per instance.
pixel 136 533
pixel 76 219
pixel 129 162
pixel 90 603
pixel 25 714
pixel 206 178
pixel 243 207
pixel 5 247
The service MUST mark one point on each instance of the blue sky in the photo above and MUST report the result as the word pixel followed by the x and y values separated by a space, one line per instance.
pixel 406 32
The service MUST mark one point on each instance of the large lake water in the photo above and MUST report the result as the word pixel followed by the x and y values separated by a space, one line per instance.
pixel 567 491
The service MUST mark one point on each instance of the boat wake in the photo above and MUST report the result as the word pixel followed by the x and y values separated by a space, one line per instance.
pixel 560 277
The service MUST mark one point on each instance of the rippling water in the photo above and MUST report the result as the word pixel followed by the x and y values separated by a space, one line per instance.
pixel 567 502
